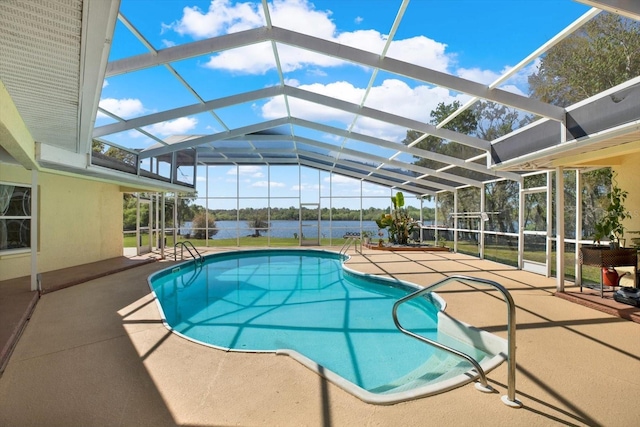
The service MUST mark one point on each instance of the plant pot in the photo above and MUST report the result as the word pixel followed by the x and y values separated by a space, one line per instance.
pixel 610 277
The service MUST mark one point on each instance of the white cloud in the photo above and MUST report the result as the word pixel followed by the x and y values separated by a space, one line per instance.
pixel 264 184
pixel 342 180
pixel 124 108
pixel 301 16
pixel 305 187
pixel 173 127
pixel 518 83
pixel 393 96
pixel 396 97
pixel 252 171
pixel 253 59
pixel 292 82
pixel 513 89
pixel 222 17
pixel 105 83
pixel 275 107
pixel 316 72
pixel 521 78
pixel 477 75
pixel 168 43
pixel 374 191
pixel 418 50
pixel 141 137
pixel 258 59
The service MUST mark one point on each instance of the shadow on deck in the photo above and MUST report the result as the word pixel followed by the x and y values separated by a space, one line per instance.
pixel 17 300
pixel 591 298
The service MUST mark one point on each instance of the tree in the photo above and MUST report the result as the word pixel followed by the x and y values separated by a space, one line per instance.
pixel 129 209
pixel 258 223
pixel 496 120
pixel 115 153
pixel 466 123
pixel 97 145
pixel 596 186
pixel 611 225
pixel 603 53
pixel 200 222
pixel 186 211
pixel 124 156
pixel 535 204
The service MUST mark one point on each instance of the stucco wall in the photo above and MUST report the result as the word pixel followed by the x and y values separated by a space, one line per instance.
pixel 80 222
pixel 628 180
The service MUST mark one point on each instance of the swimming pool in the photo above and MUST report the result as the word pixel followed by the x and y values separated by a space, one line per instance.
pixel 305 304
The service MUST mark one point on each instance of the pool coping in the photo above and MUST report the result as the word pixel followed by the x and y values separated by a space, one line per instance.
pixel 493 341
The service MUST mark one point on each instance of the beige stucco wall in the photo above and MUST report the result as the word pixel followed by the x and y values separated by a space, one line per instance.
pixel 80 222
pixel 629 179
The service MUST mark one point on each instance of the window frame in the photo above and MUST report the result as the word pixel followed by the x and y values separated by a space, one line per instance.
pixel 4 217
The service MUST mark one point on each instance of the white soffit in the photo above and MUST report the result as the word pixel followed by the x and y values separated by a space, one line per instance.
pixel 40 65
pixel 628 8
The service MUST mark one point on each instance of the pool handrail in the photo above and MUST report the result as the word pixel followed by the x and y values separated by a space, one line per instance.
pixel 510 398
pixel 185 245
pixel 351 238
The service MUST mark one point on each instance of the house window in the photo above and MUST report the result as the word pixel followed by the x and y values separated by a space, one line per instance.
pixel 15 217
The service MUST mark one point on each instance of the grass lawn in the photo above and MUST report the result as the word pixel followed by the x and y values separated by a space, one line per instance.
pixel 509 256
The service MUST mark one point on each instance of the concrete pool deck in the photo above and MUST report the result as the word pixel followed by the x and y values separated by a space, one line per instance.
pixel 97 354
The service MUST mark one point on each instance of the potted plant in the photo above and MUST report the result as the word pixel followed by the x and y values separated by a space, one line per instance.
pixel 398 222
pixel 610 225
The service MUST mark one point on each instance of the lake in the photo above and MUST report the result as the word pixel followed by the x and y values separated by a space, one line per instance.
pixel 283 228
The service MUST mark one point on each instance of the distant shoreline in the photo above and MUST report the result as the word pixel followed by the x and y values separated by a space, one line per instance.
pixel 287 228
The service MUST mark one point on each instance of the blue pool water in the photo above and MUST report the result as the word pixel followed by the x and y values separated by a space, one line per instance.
pixel 305 301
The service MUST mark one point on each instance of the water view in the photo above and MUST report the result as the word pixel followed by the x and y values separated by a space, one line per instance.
pixel 283 228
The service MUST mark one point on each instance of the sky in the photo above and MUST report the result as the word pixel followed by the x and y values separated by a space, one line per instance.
pixel 472 39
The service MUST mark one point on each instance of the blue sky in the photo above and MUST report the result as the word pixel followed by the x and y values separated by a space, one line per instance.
pixel 476 40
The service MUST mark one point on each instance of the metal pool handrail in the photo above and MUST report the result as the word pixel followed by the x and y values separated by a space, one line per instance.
pixel 184 246
pixel 510 398
pixel 351 238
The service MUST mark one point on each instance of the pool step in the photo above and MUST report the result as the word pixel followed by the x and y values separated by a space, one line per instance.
pixel 433 370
